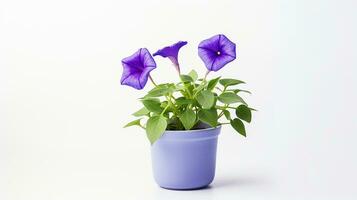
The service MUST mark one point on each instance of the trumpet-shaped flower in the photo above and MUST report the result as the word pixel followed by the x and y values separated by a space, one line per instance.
pixel 216 52
pixel 171 52
pixel 137 68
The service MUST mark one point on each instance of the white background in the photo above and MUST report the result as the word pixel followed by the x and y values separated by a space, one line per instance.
pixel 62 108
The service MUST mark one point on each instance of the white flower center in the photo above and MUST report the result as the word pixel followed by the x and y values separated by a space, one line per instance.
pixel 218 53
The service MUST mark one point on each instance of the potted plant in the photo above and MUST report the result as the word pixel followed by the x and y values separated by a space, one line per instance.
pixel 183 120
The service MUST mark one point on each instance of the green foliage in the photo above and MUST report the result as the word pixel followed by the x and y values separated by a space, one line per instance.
pixel 153 105
pixel 188 119
pixel 192 101
pixel 227 114
pixel 238 125
pixel 229 98
pixel 238 90
pixel 212 83
pixel 229 82
pixel 186 78
pixel 208 116
pixel 206 99
pixel 155 127
pixel 161 90
pixel 141 112
pixel 183 101
pixel 244 113
pixel 133 123
pixel 193 74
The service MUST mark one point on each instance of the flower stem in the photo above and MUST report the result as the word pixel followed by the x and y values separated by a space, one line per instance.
pixel 165 109
pixel 152 80
pixel 224 108
pixel 208 71
pixel 142 126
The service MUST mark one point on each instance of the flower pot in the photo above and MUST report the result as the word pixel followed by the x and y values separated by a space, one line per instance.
pixel 185 159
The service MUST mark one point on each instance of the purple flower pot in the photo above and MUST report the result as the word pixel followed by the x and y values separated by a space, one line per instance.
pixel 185 159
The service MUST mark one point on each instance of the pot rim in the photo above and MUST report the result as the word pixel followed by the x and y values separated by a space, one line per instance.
pixel 192 135
pixel 191 131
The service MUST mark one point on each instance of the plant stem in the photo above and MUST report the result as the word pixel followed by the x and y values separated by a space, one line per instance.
pixel 224 89
pixel 220 114
pixel 223 107
pixel 152 80
pixel 218 89
pixel 165 109
pixel 170 103
pixel 142 126
pixel 208 71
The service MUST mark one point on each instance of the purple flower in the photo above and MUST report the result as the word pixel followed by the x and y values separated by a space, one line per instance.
pixel 216 52
pixel 137 68
pixel 172 53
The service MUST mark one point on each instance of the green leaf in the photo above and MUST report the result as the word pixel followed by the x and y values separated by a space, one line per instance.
pixel 208 116
pixel 183 101
pixel 141 112
pixel 239 90
pixel 199 88
pixel 155 127
pixel 229 81
pixel 212 83
pixel 244 113
pixel 133 123
pixel 186 78
pixel 238 125
pixel 193 74
pixel 188 119
pixel 164 104
pixel 227 114
pixel 230 97
pixel 174 123
pixel 161 90
pixel 152 105
pixel 205 99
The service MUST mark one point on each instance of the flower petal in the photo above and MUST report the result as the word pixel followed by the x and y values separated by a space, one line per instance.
pixel 137 68
pixel 171 52
pixel 216 52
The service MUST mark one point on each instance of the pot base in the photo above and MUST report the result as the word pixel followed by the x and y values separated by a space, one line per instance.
pixel 184 189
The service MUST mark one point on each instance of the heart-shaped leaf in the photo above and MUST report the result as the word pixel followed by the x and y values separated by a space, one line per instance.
pixel 229 98
pixel 212 83
pixel 152 105
pixel 227 114
pixel 206 99
pixel 238 125
pixel 188 119
pixel 155 127
pixel 193 75
pixel 133 123
pixel 161 90
pixel 141 112
pixel 244 113
pixel 229 82
pixel 183 101
pixel 186 78
pixel 208 116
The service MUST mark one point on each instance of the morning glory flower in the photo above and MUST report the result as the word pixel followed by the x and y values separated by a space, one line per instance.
pixel 171 52
pixel 137 68
pixel 216 52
